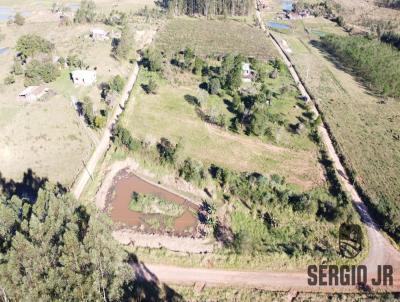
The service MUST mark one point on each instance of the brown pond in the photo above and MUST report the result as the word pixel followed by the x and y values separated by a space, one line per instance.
pixel 119 197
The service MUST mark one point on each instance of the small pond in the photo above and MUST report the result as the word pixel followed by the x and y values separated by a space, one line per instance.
pixel 119 197
pixel 287 5
pixel 7 13
pixel 4 50
pixel 276 25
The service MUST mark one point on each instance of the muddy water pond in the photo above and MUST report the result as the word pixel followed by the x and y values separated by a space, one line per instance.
pixel 120 195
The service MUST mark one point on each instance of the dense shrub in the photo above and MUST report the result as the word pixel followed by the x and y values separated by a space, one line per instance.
pixel 37 72
pixel 123 46
pixel 117 84
pixel 152 59
pixel 192 170
pixel 86 12
pixel 168 151
pixel 30 45
pixel 19 19
pixel 10 79
pixel 73 61
pixel 123 137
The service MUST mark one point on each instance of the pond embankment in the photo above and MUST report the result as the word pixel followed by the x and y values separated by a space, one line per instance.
pixel 154 230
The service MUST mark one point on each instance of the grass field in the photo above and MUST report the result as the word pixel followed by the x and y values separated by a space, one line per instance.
pixel 208 37
pixel 48 137
pixel 168 114
pixel 197 293
pixel 102 5
pixel 364 127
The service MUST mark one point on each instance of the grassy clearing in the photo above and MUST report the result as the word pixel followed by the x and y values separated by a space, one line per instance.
pixel 168 114
pixel 208 37
pixel 356 118
pixel 151 204
pixel 195 293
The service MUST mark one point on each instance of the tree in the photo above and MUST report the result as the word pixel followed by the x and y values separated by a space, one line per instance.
pixel 86 12
pixel 99 121
pixel 198 66
pixel 17 68
pixel 10 79
pixel 153 59
pixel 56 249
pixel 117 83
pixel 214 86
pixel 124 45
pixel 208 7
pixel 123 137
pixel 88 112
pixel 168 151
pixel 37 72
pixel 73 61
pixel 19 19
pixel 152 87
pixel 188 56
pixel 30 45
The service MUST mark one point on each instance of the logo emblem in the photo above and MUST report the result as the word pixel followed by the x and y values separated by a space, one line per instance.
pixel 350 240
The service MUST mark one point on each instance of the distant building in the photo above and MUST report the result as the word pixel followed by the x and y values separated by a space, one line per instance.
pixel 33 93
pixel 247 73
pixel 83 77
pixel 99 34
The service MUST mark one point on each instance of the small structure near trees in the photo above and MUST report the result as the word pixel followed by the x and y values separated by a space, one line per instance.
pixel 98 34
pixel 33 93
pixel 247 73
pixel 83 77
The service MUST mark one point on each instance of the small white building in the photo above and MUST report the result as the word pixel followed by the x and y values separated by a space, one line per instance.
pixel 83 77
pixel 98 34
pixel 247 73
pixel 33 93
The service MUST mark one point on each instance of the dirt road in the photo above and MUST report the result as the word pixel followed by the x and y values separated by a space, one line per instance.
pixel 103 145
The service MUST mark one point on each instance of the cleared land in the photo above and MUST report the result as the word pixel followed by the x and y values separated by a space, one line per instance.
pixel 209 37
pixel 168 114
pixel 364 126
pixel 366 13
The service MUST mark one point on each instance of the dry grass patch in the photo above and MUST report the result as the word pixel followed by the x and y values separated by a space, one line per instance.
pixel 209 37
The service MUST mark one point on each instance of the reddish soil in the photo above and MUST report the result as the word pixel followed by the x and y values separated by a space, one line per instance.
pixel 119 196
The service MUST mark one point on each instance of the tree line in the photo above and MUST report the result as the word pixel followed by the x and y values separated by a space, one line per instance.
pixel 208 7
pixel 373 61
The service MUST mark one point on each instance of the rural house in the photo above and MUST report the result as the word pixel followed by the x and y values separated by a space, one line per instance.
pixel 33 93
pixel 247 73
pixel 98 34
pixel 83 77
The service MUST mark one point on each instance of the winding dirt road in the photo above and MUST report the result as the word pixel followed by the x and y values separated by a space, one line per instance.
pixel 381 252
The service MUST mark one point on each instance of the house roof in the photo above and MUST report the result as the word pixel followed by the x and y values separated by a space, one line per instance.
pixel 98 31
pixel 81 73
pixel 34 90
pixel 245 66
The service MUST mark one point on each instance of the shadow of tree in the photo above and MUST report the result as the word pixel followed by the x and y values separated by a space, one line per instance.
pixel 27 188
pixel 147 287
